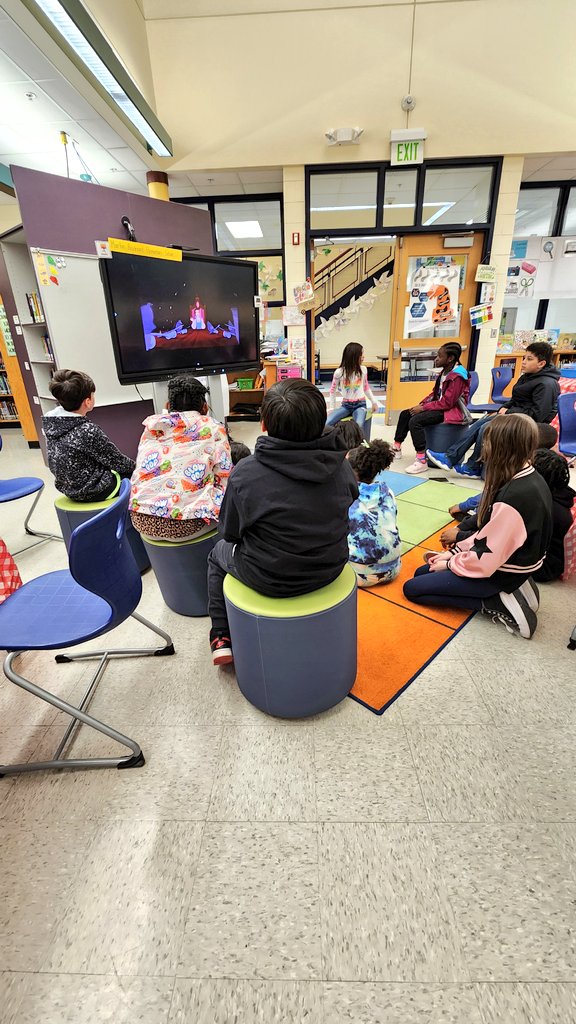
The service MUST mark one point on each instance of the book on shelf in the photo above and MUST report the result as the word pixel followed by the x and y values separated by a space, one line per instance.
pixel 35 307
pixel 47 346
pixel 8 410
pixel 4 385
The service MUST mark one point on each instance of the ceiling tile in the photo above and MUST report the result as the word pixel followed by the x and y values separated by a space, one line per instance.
pixel 102 133
pixel 254 176
pixel 128 159
pixel 24 53
pixel 67 97
pixel 264 186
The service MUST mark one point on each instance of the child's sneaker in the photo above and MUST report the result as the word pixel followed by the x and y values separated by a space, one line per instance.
pixel 221 650
pixel 419 466
pixel 439 459
pixel 463 469
pixel 397 450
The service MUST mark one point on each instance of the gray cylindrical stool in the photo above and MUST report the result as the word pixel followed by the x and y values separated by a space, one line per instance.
pixel 439 436
pixel 181 571
pixel 294 656
pixel 72 513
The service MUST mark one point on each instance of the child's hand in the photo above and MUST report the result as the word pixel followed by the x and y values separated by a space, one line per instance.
pixel 448 538
pixel 440 563
pixel 454 510
pixel 375 406
pixel 416 409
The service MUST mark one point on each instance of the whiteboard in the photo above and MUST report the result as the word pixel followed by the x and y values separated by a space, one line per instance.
pixel 75 311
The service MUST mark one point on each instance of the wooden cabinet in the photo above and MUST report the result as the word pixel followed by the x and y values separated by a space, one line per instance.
pixel 244 402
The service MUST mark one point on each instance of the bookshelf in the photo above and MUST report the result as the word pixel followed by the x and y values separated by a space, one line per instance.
pixel 560 358
pixel 14 406
pixel 40 361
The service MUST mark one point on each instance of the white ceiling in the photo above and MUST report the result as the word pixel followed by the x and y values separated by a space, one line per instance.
pixel 30 128
pixel 547 167
pixel 243 182
pixel 160 9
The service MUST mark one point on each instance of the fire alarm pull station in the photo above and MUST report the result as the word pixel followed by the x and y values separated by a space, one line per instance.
pixel 295 238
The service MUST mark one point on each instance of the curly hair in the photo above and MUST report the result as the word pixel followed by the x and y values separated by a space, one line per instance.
pixel 349 434
pixel 553 468
pixel 370 458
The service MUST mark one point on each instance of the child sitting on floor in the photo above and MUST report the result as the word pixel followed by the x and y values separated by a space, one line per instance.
pixel 86 465
pixel 491 570
pixel 349 433
pixel 373 539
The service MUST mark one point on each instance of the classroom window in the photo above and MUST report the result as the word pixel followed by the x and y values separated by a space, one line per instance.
pixel 254 225
pixel 399 198
pixel 457 195
pixel 569 226
pixel 343 200
pixel 536 211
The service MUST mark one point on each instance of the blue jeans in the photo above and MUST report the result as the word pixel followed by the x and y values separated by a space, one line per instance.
pixel 357 410
pixel 456 452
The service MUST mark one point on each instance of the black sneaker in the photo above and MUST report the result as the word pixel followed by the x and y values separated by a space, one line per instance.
pixel 531 593
pixel 221 650
pixel 513 611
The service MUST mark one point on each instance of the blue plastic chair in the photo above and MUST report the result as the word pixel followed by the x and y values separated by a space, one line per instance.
pixel 474 382
pixel 567 418
pixel 101 589
pixel 501 377
pixel 21 487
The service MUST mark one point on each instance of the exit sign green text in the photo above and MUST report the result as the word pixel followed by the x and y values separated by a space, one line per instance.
pixel 411 152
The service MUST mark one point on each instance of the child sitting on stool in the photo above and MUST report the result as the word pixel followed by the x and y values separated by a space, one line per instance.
pixel 284 518
pixel 443 404
pixel 86 465
pixel 373 540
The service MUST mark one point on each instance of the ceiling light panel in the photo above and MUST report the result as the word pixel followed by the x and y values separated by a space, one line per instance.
pixel 244 228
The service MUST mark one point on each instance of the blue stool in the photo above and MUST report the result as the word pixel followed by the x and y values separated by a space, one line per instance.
pixel 439 436
pixel 182 571
pixel 367 422
pixel 294 656
pixel 72 513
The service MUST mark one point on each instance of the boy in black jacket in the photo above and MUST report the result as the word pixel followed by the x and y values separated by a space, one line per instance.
pixel 86 465
pixel 284 518
pixel 535 394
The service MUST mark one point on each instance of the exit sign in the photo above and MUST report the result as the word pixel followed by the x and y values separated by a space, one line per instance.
pixel 410 151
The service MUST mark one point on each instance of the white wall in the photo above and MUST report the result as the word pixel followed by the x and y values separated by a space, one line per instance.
pixel 9 216
pixel 369 327
pixel 122 22
pixel 261 89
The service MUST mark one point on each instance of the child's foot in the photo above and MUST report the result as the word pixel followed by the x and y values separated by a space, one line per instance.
pixel 513 611
pixel 397 450
pixel 418 466
pixel 463 469
pixel 439 459
pixel 531 593
pixel 221 648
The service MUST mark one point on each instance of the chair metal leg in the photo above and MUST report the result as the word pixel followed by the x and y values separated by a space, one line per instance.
pixel 126 652
pixel 78 716
pixel 36 533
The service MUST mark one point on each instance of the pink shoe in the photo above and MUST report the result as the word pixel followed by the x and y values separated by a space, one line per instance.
pixel 419 466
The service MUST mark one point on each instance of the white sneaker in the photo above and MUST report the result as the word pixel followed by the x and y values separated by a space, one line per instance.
pixel 419 466
pixel 397 452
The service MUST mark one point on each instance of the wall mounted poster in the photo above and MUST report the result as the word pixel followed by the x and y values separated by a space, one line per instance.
pixel 433 298
pixel 521 278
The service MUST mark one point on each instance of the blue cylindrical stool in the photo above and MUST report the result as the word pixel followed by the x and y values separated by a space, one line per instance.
pixel 439 436
pixel 294 656
pixel 181 570
pixel 72 513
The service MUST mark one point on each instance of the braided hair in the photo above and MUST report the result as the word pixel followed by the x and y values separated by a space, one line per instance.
pixel 370 458
pixel 454 350
pixel 186 394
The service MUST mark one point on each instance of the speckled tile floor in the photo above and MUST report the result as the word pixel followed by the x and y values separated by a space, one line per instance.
pixel 420 866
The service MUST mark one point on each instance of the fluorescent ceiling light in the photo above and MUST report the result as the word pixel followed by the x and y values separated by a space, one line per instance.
pixel 244 228
pixel 55 11
pixel 439 213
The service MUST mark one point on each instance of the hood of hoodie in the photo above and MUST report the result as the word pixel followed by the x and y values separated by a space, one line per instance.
pixel 552 372
pixel 167 422
pixel 314 461
pixel 461 371
pixel 59 422
pixel 564 496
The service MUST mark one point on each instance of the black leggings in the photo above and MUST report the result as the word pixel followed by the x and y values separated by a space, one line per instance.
pixel 415 424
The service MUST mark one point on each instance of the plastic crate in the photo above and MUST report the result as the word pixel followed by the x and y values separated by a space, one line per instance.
pixel 245 383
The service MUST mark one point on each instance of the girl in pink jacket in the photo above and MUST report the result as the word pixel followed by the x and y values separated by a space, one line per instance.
pixel 442 405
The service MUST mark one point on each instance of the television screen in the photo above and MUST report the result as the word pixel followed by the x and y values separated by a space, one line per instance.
pixel 168 316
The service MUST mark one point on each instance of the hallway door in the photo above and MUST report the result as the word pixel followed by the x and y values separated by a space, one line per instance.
pixel 434 288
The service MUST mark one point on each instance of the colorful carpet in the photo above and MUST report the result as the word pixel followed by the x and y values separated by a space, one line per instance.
pixel 396 639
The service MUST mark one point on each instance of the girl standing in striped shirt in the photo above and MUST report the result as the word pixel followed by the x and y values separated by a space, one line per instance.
pixel 351 380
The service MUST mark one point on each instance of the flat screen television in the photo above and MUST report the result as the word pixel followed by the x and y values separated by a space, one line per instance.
pixel 171 316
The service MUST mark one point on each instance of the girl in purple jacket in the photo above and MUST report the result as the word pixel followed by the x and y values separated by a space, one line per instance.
pixel 442 405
